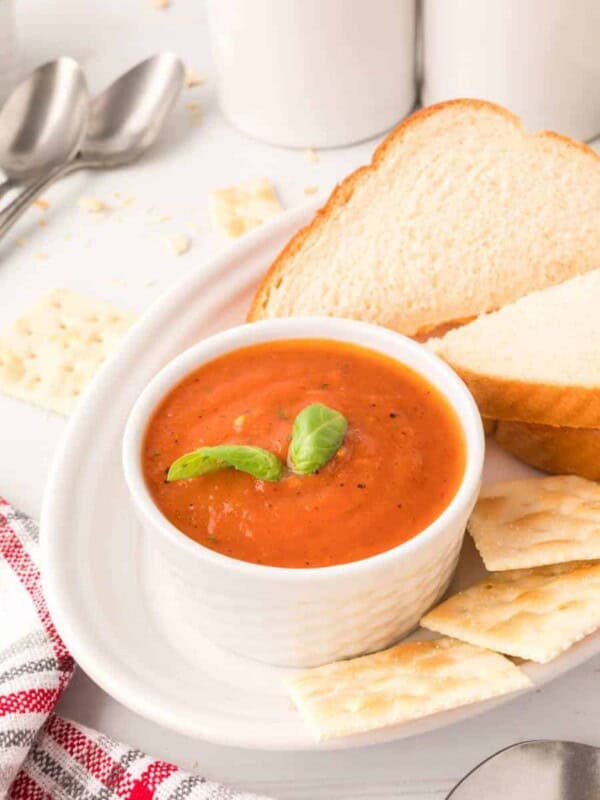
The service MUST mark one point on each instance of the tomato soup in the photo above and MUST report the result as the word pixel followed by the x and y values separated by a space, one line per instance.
pixel 399 465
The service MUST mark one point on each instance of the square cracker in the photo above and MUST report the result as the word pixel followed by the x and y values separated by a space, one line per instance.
pixel 531 613
pixel 408 681
pixel 235 210
pixel 50 353
pixel 531 523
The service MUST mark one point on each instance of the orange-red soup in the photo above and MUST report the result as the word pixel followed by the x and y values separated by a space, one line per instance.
pixel 399 466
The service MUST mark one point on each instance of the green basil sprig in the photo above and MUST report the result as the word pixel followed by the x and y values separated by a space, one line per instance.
pixel 255 461
pixel 316 437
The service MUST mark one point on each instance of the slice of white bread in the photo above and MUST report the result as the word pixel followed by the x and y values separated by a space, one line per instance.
pixel 561 451
pixel 536 360
pixel 460 212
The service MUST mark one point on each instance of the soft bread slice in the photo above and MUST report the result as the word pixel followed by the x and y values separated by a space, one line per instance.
pixel 537 359
pixel 460 212
pixel 561 451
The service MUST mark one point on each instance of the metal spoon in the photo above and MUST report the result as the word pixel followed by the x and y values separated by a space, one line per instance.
pixel 124 121
pixel 537 770
pixel 43 122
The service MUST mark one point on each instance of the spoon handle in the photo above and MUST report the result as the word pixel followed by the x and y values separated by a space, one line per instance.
pixel 15 209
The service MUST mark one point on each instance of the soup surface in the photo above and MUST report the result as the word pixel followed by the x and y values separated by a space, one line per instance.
pixel 400 463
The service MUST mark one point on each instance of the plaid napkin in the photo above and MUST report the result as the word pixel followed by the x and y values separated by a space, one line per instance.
pixel 42 755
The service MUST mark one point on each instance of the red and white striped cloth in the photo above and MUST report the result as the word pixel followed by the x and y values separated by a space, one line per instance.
pixel 43 755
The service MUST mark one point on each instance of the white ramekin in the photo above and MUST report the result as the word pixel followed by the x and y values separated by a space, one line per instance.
pixel 304 617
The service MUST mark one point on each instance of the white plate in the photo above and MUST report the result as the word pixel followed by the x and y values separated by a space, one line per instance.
pixel 106 593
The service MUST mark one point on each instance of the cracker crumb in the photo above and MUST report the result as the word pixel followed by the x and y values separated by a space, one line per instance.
pixel 311 155
pixel 195 110
pixel 237 209
pixel 193 78
pixel 238 423
pixel 41 256
pixel 42 204
pixel 93 205
pixel 311 189
pixel 159 218
pixel 42 222
pixel 21 241
pixel 178 244
pixel 161 3
pixel 128 201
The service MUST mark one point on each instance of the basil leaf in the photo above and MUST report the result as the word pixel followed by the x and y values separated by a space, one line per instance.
pixel 255 461
pixel 317 435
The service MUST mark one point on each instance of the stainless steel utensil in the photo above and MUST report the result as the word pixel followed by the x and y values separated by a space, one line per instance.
pixel 43 121
pixel 537 770
pixel 124 121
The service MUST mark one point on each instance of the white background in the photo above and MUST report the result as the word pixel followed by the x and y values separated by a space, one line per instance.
pixel 119 256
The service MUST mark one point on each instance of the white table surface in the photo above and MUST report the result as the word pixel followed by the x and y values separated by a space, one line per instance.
pixel 119 256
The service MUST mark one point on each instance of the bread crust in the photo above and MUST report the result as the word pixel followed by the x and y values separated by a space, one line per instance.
pixel 344 190
pixel 519 401
pixel 561 451
pixel 489 425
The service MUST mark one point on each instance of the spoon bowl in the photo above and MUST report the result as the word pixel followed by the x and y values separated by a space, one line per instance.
pixel 540 769
pixel 126 119
pixel 43 121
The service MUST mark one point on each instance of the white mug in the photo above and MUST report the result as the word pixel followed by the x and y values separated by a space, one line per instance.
pixel 314 73
pixel 539 58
